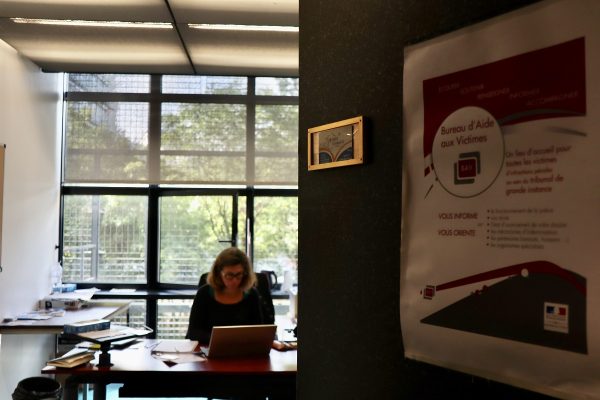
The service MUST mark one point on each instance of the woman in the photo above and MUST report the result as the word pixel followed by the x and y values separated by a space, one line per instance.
pixel 228 298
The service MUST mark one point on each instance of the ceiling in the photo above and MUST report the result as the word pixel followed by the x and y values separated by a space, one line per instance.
pixel 173 48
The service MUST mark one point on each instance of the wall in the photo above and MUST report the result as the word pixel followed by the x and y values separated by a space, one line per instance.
pixel 351 60
pixel 30 108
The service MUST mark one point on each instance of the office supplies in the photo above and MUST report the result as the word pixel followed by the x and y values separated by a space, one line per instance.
pixel 34 315
pixel 87 326
pixel 112 333
pixel 240 341
pixel 68 304
pixel 118 344
pixel 106 337
pixel 124 343
pixel 68 287
pixel 176 351
pixel 94 310
pixel 176 346
pixel 72 358
pixel 41 314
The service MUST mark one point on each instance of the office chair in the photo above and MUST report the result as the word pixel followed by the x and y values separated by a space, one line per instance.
pixel 263 286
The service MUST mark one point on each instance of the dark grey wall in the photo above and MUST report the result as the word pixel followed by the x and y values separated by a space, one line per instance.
pixel 351 61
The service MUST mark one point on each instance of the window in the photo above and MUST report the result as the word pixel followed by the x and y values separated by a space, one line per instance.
pixel 106 142
pixel 160 173
pixel 193 229
pixel 276 234
pixel 104 239
pixel 203 143
pixel 276 144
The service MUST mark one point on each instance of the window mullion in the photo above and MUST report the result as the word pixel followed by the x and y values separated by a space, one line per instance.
pixel 250 133
pixel 234 219
pixel 153 241
pixel 250 223
pixel 154 128
pixel 95 236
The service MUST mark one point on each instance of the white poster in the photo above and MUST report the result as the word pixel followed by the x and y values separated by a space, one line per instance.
pixel 501 211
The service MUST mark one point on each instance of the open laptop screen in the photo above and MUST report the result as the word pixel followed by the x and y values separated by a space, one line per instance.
pixel 241 341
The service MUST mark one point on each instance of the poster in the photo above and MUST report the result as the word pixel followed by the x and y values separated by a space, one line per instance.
pixel 500 275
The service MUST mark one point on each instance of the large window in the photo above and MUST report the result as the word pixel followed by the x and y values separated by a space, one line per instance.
pixel 160 173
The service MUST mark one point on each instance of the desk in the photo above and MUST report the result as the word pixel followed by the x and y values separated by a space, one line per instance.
pixel 144 375
pixel 94 310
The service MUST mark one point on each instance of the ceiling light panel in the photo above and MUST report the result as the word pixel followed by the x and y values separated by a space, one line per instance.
pixel 97 49
pixel 96 24
pixel 243 53
pixel 96 10
pixel 249 28
pixel 238 12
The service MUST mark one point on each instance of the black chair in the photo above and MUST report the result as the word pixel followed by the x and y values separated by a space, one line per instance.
pixel 263 286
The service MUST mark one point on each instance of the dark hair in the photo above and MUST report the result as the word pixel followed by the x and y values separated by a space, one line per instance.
pixel 229 257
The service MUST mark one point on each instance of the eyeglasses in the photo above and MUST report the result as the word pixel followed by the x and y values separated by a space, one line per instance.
pixel 230 275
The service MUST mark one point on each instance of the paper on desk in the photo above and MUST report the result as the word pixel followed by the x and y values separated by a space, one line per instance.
pixel 178 358
pixel 105 333
pixel 41 314
pixel 34 315
pixel 79 294
pixel 114 331
pixel 173 352
pixel 175 346
pixel 120 290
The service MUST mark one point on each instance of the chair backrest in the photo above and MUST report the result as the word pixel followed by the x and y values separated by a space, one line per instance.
pixel 202 280
pixel 263 287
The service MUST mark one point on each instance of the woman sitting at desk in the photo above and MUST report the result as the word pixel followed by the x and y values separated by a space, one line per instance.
pixel 228 298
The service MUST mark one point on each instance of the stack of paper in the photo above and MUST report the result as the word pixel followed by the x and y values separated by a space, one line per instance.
pixel 115 331
pixel 175 346
pixel 72 358
pixel 177 351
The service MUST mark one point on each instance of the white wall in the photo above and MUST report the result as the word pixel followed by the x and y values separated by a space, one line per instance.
pixel 30 109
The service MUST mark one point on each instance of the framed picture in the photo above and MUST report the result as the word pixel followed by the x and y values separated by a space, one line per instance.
pixel 336 145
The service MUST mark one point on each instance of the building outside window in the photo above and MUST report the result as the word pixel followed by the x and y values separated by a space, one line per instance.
pixel 160 173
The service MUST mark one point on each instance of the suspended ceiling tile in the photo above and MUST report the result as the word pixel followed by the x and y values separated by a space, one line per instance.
pixel 96 10
pixel 238 12
pixel 87 49
pixel 242 52
pixel 94 49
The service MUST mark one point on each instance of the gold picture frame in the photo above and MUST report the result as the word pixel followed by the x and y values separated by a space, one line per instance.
pixel 336 144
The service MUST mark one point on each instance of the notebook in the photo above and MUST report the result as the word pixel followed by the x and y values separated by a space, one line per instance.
pixel 240 341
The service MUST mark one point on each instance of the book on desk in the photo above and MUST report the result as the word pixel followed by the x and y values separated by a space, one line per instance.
pixel 72 358
pixel 86 326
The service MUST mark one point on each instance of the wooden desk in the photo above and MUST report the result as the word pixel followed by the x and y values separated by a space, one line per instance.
pixel 93 310
pixel 143 375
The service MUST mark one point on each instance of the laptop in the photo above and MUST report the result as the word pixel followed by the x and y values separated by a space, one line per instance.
pixel 240 341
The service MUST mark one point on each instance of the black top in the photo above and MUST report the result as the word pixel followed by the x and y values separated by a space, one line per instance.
pixel 208 312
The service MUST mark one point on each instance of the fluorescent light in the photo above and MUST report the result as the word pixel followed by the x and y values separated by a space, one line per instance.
pixel 260 28
pixel 102 24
